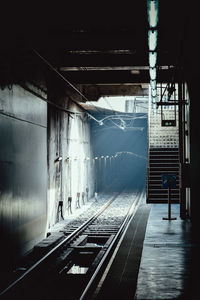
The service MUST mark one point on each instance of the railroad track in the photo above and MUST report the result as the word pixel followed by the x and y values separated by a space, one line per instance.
pixel 73 267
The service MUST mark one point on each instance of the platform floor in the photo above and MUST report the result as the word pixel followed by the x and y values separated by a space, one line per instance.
pixel 165 254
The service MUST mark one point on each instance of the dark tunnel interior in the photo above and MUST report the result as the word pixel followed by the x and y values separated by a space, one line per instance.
pixel 120 156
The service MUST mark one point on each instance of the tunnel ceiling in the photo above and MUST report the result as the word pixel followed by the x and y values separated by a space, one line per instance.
pixel 103 48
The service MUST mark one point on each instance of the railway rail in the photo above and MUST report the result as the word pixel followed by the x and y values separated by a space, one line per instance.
pixel 74 266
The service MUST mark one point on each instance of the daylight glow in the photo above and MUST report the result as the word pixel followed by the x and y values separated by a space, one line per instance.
pixel 116 103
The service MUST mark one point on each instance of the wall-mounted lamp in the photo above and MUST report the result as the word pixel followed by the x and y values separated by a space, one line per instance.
pixel 96 158
pixel 135 72
pixel 58 159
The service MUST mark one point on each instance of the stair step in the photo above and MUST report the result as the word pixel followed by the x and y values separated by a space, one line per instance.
pixel 170 149
pixel 157 180
pixel 162 161
pixel 164 149
pixel 163 167
pixel 164 170
pixel 161 201
pixel 163 196
pixel 163 190
pixel 153 176
pixel 160 173
pixel 165 154
pixel 175 152
pixel 158 177
pixel 159 186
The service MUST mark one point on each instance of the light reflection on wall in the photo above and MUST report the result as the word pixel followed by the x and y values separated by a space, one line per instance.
pixel 69 139
pixel 79 160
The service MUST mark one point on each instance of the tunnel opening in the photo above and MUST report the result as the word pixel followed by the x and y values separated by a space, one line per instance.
pixel 120 143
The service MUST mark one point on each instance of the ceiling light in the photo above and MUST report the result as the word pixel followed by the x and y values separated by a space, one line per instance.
pixel 154 99
pixel 152 59
pixel 152 11
pixel 152 39
pixel 152 73
pixel 153 84
pixel 153 93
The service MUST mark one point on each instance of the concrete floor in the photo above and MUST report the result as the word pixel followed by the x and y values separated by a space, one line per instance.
pixel 170 258
pixel 157 259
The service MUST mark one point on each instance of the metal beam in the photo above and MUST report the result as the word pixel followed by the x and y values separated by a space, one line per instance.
pixel 114 77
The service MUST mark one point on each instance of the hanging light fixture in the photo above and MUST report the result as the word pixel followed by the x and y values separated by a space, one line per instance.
pixel 152 12
pixel 153 93
pixel 153 84
pixel 154 100
pixel 152 39
pixel 152 59
pixel 152 73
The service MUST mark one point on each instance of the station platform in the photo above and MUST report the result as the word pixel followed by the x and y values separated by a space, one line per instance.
pixel 157 259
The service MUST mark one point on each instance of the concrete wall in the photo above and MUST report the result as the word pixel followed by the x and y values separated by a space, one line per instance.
pixel 163 136
pixel 69 138
pixel 193 91
pixel 23 170
pixel 32 183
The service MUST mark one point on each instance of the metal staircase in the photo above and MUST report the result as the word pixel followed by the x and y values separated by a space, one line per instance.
pixel 162 161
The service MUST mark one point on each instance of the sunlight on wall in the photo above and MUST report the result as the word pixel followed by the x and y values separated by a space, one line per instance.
pixel 73 173
pixel 78 159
